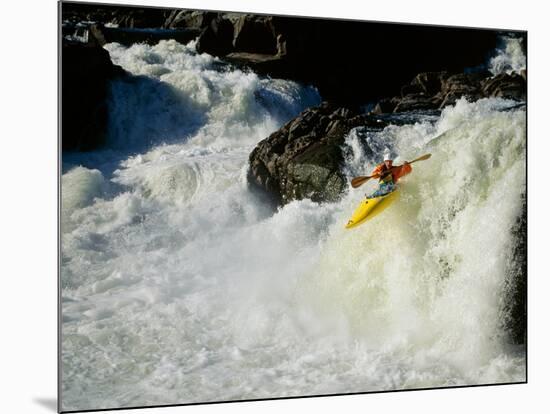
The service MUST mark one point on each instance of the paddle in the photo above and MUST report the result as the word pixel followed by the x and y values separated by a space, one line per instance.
pixel 358 181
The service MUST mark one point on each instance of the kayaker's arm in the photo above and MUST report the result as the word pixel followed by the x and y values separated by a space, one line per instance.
pixel 377 171
pixel 401 170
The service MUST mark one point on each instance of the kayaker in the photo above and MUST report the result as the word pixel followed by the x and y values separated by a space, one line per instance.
pixel 389 175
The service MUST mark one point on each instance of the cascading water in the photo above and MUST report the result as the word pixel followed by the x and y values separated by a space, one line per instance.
pixel 509 56
pixel 180 285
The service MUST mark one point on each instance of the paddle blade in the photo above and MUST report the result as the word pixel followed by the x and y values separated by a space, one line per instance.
pixel 422 158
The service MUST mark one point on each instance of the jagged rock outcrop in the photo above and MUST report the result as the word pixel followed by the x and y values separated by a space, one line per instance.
pixel 123 16
pixel 100 34
pixel 255 34
pixel 188 19
pixel 435 90
pixel 512 86
pixel 86 73
pixel 349 61
pixel 217 37
pixel 303 159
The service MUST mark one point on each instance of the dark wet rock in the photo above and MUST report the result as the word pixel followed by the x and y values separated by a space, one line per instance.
pixel 141 18
pixel 348 61
pixel 96 35
pixel 123 16
pixel 430 83
pixel 188 19
pixel 463 82
pixel 303 159
pixel 86 73
pixel 385 106
pixel 255 34
pixel 217 38
pixel 259 63
pixel 460 85
pixel 505 86
pixel 132 24
pixel 514 320
pixel 436 90
pixel 80 12
pixel 101 35
pixel 417 102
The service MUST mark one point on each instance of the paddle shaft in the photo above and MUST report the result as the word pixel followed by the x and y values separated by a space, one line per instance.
pixel 358 181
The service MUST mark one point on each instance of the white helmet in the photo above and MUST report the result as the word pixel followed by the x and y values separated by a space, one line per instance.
pixel 387 156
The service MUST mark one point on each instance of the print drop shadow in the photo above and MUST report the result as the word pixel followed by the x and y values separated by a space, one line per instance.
pixel 48 403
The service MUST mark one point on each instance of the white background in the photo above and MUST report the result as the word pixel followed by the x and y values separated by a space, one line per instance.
pixel 28 204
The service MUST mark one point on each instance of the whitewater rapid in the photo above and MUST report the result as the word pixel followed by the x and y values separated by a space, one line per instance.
pixel 181 285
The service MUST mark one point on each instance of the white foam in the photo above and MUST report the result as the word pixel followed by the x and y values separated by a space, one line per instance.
pixel 509 56
pixel 79 188
pixel 181 286
pixel 184 96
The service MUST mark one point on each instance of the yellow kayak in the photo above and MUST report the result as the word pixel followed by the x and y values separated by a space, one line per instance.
pixel 371 207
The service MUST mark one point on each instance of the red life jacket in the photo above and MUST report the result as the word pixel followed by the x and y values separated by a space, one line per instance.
pixel 396 173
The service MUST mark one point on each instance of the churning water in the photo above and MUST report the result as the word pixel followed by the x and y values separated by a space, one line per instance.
pixel 181 285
